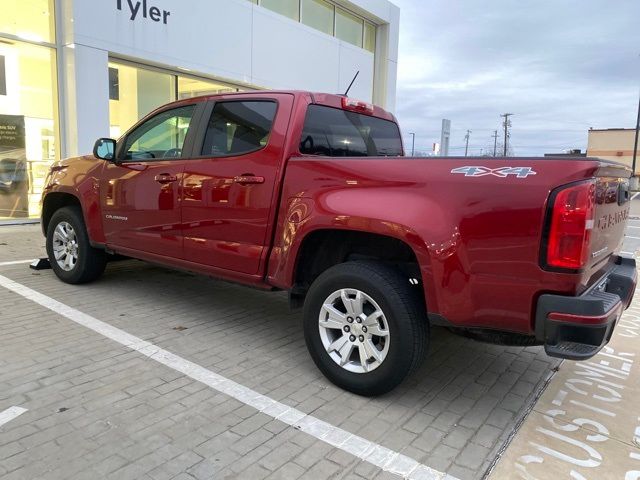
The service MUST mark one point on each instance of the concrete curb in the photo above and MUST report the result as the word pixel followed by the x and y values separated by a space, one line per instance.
pixel 19 221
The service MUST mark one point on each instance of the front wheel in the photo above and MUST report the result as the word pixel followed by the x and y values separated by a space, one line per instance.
pixel 365 327
pixel 70 253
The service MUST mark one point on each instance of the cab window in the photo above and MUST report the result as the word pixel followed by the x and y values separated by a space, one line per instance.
pixel 161 137
pixel 333 132
pixel 238 128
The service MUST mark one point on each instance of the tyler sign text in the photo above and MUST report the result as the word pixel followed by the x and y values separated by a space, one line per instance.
pixel 139 9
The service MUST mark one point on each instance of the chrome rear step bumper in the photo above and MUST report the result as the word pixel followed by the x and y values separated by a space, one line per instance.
pixel 577 328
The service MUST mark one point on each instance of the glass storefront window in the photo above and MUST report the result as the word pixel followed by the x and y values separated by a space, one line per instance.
pixel 31 20
pixel 369 37
pixel 28 125
pixel 317 14
pixel 134 92
pixel 288 8
pixel 328 18
pixel 349 27
pixel 192 87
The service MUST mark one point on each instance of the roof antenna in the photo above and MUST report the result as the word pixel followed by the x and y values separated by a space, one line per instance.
pixel 351 84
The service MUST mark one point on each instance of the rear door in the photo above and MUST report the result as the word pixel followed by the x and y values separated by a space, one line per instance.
pixel 140 195
pixel 228 191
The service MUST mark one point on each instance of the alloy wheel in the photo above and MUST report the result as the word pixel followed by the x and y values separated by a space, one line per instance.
pixel 65 246
pixel 354 330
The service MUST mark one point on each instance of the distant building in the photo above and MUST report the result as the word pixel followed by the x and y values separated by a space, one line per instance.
pixel 445 137
pixel 576 152
pixel 612 144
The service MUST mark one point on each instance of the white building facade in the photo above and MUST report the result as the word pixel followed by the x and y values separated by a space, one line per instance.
pixel 75 70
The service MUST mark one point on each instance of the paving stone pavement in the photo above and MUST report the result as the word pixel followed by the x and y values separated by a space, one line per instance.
pixel 99 410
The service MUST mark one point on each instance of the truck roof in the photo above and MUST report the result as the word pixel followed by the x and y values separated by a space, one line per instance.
pixel 319 98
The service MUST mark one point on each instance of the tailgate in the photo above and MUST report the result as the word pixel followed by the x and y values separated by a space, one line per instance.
pixel 611 215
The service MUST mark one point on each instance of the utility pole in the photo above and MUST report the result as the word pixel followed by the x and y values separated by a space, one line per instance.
pixel 633 181
pixel 413 143
pixel 495 142
pixel 506 124
pixel 466 137
pixel 635 143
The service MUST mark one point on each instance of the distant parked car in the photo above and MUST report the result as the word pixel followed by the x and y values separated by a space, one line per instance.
pixel 13 173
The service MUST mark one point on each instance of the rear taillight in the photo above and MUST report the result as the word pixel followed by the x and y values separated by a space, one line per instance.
pixel 572 217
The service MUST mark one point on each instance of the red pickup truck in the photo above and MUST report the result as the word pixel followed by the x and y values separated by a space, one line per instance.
pixel 311 193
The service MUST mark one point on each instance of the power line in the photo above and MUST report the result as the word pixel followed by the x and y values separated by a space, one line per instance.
pixel 540 146
pixel 534 129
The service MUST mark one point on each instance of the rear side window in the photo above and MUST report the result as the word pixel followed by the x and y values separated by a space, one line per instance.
pixel 339 133
pixel 237 128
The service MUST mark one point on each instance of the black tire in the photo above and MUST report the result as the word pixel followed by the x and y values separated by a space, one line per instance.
pixel 403 309
pixel 91 261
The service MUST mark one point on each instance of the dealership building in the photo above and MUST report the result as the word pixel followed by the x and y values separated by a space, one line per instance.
pixel 75 70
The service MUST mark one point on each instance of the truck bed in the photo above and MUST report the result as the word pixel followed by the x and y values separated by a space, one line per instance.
pixel 476 224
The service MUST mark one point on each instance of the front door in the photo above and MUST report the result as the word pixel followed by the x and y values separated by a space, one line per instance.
pixel 140 194
pixel 228 191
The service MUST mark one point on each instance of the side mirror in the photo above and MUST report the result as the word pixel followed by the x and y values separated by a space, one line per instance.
pixel 105 149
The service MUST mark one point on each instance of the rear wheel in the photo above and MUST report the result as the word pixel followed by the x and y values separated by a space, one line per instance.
pixel 71 256
pixel 365 327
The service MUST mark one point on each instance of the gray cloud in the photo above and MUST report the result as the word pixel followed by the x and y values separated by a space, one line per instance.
pixel 561 66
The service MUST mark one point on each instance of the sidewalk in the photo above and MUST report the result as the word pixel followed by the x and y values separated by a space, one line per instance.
pixel 587 422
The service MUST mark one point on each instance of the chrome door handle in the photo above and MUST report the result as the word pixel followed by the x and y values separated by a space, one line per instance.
pixel 248 179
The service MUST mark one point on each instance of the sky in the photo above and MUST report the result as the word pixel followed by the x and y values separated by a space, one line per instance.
pixel 560 66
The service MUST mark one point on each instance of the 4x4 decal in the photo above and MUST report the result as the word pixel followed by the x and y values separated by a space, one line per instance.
pixel 502 172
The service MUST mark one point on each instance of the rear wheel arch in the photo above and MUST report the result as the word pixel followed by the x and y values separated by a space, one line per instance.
pixel 324 248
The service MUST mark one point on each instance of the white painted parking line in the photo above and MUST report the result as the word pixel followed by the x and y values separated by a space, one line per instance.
pixel 15 262
pixel 11 413
pixel 359 447
pixel 632 226
pixel 627 253
pixel 634 238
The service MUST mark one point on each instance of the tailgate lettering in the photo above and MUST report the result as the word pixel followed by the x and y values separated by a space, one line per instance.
pixel 599 252
pixel 612 219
